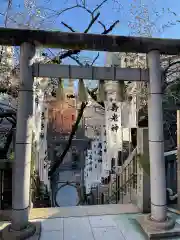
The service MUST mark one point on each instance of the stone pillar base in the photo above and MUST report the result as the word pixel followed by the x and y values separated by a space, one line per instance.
pixel 157 230
pixel 32 232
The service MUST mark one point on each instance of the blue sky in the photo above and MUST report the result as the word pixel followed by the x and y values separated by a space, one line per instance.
pixel 110 12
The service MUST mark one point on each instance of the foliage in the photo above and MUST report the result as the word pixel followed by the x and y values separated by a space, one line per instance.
pixel 171 97
pixel 11 157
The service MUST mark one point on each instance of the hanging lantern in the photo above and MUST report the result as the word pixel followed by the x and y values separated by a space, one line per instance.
pixel 60 91
pixel 121 91
pixel 102 96
pixel 82 93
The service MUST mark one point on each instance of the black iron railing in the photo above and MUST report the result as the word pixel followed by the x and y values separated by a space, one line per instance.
pixel 126 181
pixel 120 187
pixel 171 176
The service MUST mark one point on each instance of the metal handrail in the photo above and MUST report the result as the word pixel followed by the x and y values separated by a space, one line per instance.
pixel 127 162
pixel 121 188
pixel 132 176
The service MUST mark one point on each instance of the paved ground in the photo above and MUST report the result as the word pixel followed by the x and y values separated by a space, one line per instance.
pixel 116 227
pixel 106 227
pixel 103 222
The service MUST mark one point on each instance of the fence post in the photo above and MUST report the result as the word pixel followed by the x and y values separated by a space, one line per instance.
pixel 143 179
pixel 178 157
pixel 104 190
pixel 94 196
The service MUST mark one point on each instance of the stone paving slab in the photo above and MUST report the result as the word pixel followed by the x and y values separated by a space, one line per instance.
pixel 82 222
pixel 102 222
pixel 102 227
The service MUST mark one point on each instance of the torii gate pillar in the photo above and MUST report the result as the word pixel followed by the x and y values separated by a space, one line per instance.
pixel 20 227
pixel 157 222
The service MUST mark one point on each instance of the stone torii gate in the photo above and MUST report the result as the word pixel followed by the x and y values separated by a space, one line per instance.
pixel 27 40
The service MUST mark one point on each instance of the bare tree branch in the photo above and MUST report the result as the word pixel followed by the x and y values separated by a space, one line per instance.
pixel 92 93
pixel 74 129
pixel 102 25
pixel 92 22
pixel 95 59
pixel 7 12
pixel 58 13
pixel 110 28
pixel 77 5
pixel 73 52
pixel 67 26
pixel 76 60
pixel 99 6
